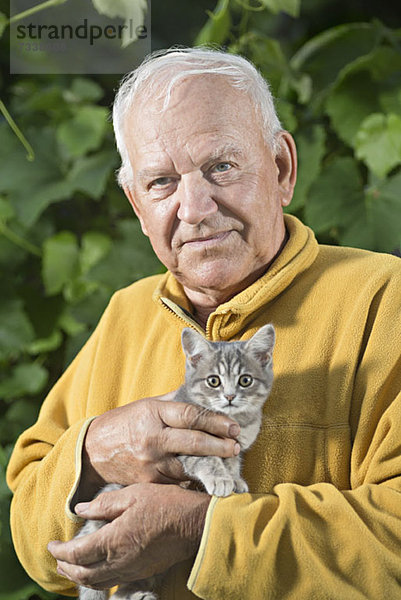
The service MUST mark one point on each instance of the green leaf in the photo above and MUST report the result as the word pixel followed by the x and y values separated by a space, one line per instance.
pixel 390 100
pixel 32 97
pixel 378 142
pixel 78 289
pixel 3 23
pixel 358 90
pixel 12 257
pixel 71 325
pixel 20 415
pixel 26 379
pixel 350 104
pixel 382 62
pixel 335 198
pixel 88 312
pixel 324 56
pixel 217 27
pixel 89 174
pixel 383 203
pixel 131 257
pixel 60 261
pixel 286 114
pixel 311 148
pixel 132 11
pixel 42 345
pixel 84 131
pixel 366 219
pixel 16 331
pixel 291 7
pixel 43 311
pixel 267 55
pixel 95 246
pixel 31 186
pixel 83 89
pixel 6 210
pixel 303 86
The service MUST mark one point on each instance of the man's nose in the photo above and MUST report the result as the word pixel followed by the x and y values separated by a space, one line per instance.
pixel 195 199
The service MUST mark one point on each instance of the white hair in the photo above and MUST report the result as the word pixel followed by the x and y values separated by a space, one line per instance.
pixel 162 69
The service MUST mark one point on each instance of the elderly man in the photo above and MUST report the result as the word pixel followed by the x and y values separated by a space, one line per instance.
pixel 207 169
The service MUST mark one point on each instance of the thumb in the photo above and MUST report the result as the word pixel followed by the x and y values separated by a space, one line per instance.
pixel 109 504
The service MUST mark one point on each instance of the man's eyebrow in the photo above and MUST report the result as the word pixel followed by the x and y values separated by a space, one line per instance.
pixel 226 150
pixel 151 172
pixel 220 152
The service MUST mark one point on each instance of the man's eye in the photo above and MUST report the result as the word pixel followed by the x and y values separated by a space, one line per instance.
pixel 222 167
pixel 160 182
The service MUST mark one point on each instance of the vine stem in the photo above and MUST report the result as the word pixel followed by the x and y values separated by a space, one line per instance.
pixel 3 109
pixel 251 8
pixel 18 240
pixel 35 9
pixel 17 131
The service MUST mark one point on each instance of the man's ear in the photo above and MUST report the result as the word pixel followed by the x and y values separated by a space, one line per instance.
pixel 286 161
pixel 131 198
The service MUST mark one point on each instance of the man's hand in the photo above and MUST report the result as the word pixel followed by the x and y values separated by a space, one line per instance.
pixel 139 442
pixel 152 527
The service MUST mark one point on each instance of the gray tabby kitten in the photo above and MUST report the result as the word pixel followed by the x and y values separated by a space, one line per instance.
pixel 234 378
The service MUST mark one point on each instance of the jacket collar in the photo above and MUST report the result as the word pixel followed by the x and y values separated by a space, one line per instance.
pixel 231 317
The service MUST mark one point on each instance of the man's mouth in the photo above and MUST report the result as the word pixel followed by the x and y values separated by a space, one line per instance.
pixel 209 240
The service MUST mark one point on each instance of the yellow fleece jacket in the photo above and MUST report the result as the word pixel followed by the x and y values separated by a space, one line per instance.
pixel 323 516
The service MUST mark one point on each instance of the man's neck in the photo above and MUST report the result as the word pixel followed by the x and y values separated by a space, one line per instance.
pixel 205 302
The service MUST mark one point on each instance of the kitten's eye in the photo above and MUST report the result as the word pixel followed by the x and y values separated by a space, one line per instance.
pixel 213 381
pixel 245 380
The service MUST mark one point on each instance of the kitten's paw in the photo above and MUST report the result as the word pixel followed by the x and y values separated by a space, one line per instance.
pixel 220 487
pixel 241 486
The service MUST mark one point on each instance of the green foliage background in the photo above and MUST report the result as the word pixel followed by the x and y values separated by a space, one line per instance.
pixel 68 238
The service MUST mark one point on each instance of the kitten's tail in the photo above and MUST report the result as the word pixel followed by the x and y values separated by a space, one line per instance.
pixel 88 594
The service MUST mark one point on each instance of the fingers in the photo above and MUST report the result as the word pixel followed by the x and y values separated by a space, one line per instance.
pixel 189 427
pixel 96 576
pixel 198 443
pixel 180 415
pixel 106 506
pixel 84 550
pixel 84 561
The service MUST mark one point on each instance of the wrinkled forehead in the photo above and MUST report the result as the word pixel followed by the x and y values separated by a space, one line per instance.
pixel 204 115
pixel 190 98
pixel 172 80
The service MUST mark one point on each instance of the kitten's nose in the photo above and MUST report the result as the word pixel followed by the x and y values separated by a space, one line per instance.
pixel 230 397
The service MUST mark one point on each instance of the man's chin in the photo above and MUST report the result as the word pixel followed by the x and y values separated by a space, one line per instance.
pixel 219 280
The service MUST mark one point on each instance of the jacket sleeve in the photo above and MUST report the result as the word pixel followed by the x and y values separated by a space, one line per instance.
pixel 316 541
pixel 44 470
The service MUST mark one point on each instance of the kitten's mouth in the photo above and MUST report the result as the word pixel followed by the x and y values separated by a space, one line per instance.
pixel 230 404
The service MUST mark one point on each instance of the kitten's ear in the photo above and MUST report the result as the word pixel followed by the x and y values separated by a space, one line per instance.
pixel 261 344
pixel 193 344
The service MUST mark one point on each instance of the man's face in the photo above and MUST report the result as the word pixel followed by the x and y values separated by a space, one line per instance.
pixel 206 186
